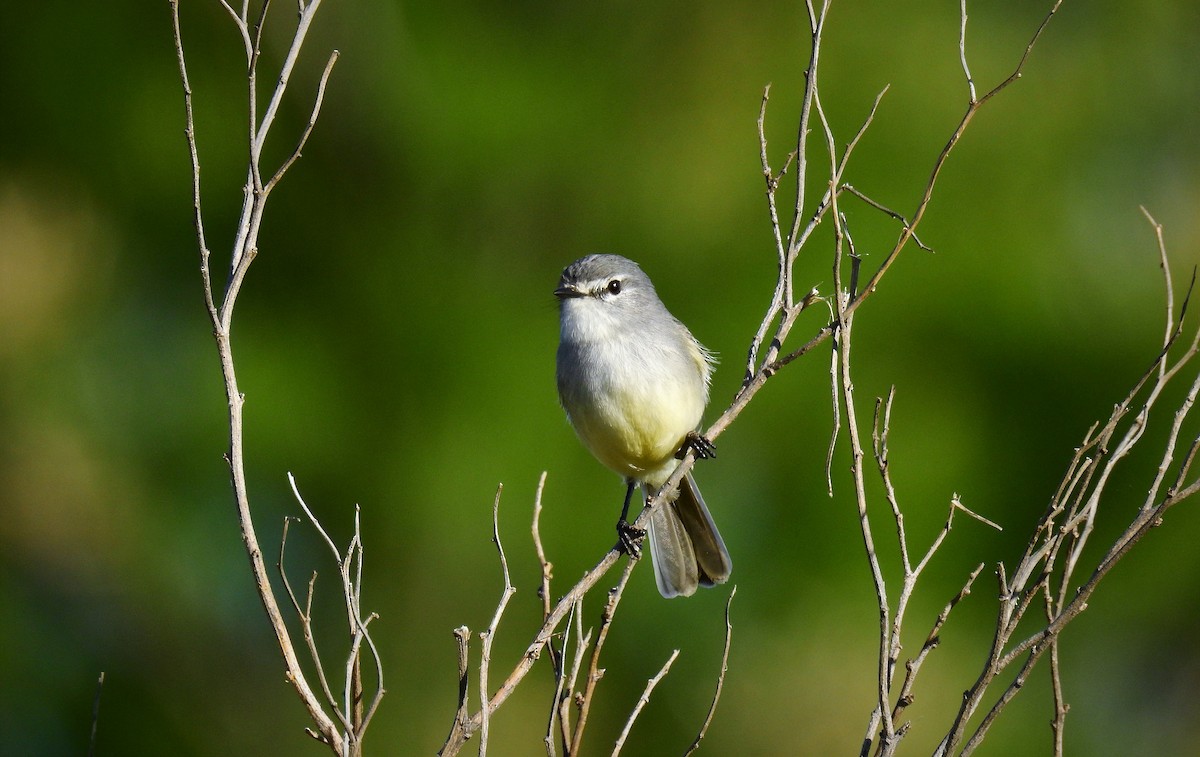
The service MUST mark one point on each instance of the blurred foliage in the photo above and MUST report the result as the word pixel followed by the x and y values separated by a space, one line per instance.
pixel 396 339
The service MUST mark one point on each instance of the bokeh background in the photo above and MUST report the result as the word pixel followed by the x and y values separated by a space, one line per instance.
pixel 396 335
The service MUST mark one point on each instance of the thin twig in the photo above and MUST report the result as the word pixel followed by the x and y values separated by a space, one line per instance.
pixel 712 707
pixel 462 635
pixel 306 628
pixel 962 50
pixel 835 404
pixel 887 211
pixel 860 495
pixel 353 713
pixel 772 181
pixel 1166 269
pixel 1064 530
pixel 782 304
pixel 642 702
pixel 95 715
pixel 907 233
pixel 489 635
pixel 194 155
pixel 533 651
pixel 780 316
pixel 595 672
pixel 285 73
pixel 221 317
pixel 1058 723
pixel 559 712
pixel 582 642
pixel 535 530
pixel 362 633
pixel 308 127
pixel 932 639
pixel 817 27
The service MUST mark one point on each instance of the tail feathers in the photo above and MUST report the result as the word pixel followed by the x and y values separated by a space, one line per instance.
pixel 685 547
pixel 712 557
pixel 675 569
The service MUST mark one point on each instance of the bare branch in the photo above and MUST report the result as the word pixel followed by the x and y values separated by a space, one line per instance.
pixel 582 642
pixel 305 21
pixel 712 708
pixel 462 635
pixel 239 22
pixel 1058 722
pixel 489 635
pixel 1166 269
pixel 221 316
pixel 95 715
pixel 194 155
pixel 308 128
pixel 923 204
pixel 817 26
pixel 533 651
pixel 886 210
pixel 846 386
pixel 351 711
pixel 305 615
pixel 1020 67
pixel 962 49
pixel 1057 544
pixel 932 639
pixel 337 554
pixel 566 682
pixel 535 530
pixel 835 404
pixel 1064 531
pixel 360 633
pixel 642 702
pixel 595 673
pixel 783 305
pixel 777 302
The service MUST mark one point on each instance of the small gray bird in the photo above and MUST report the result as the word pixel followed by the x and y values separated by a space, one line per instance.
pixel 634 382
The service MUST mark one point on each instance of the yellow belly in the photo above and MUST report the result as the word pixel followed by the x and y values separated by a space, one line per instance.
pixel 637 434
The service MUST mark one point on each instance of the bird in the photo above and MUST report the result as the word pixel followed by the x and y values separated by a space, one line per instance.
pixel 634 383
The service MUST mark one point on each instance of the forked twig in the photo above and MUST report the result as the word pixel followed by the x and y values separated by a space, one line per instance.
pixel 909 230
pixel 343 740
pixel 350 711
pixel 536 532
pixel 595 672
pixel 489 635
pixel 1046 570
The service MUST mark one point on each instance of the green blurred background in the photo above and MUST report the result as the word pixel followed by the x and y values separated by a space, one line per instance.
pixel 396 343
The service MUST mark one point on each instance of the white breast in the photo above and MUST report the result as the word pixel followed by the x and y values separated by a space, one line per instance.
pixel 631 394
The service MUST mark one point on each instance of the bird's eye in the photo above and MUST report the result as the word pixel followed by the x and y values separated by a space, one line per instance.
pixel 614 286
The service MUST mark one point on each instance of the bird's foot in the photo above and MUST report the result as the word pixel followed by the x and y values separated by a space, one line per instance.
pixel 630 538
pixel 698 443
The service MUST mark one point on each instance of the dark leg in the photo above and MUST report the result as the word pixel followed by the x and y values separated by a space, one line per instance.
pixel 631 538
pixel 701 445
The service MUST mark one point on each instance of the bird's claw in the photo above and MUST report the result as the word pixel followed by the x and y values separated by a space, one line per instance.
pixel 698 443
pixel 630 538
